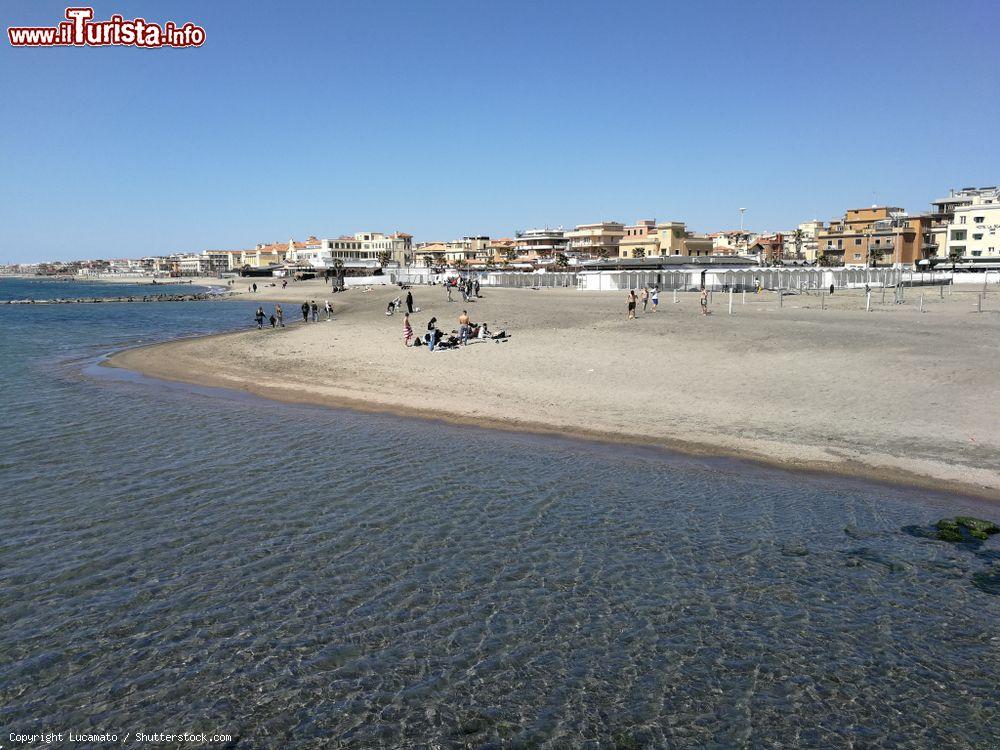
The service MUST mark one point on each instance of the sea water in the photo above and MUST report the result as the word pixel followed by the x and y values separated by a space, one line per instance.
pixel 176 559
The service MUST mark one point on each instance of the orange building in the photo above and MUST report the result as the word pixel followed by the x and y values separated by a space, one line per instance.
pixel 880 235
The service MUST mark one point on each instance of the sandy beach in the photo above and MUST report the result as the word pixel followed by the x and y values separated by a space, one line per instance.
pixel 896 394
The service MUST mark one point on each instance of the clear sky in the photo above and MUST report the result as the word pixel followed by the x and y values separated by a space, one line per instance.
pixel 445 119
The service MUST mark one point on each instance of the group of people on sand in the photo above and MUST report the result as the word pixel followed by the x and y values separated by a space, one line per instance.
pixel 652 295
pixel 310 311
pixel 468 287
pixel 435 338
pixel 646 296
pixel 397 304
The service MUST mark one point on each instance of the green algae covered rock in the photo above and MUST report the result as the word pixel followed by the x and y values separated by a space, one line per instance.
pixel 977 524
pixel 964 529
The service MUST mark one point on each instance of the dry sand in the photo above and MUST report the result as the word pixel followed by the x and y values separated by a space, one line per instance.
pixel 894 394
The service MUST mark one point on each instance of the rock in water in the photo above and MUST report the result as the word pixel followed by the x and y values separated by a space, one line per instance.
pixel 977 524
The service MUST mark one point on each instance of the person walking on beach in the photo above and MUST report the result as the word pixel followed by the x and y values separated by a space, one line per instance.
pixel 407 330
pixel 273 320
pixel 259 315
pixel 315 311
pixel 463 327
pixel 255 287
pixel 280 315
pixel 476 288
pixel 328 308
pixel 644 296
pixel 305 312
pixel 704 301
pixel 447 286
pixel 409 302
pixel 631 304
pixel 656 298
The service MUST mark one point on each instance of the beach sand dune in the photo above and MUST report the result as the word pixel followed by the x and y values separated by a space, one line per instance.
pixel 893 394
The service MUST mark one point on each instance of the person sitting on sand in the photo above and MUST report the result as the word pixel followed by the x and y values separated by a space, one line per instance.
pixel 631 304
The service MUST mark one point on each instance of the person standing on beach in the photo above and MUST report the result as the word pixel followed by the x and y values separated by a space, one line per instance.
pixel 328 308
pixel 447 286
pixel 463 327
pixel 409 302
pixel 476 288
pixel 315 311
pixel 631 304
pixel 280 315
pixel 431 333
pixel 644 296
pixel 255 287
pixel 305 312
pixel 407 330
pixel 704 301
pixel 259 315
pixel 273 320
pixel 656 298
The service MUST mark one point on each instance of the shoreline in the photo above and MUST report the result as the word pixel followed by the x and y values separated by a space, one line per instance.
pixel 846 468
pixel 757 387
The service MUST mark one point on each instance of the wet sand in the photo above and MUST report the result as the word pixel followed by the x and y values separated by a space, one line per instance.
pixel 895 395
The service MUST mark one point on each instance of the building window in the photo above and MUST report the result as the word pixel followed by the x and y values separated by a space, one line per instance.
pixel 977 236
pixel 958 234
pixel 978 219
pixel 857 256
pixel 857 241
pixel 961 219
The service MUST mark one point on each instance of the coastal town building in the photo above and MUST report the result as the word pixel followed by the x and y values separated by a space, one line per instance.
pixel 647 239
pixel 800 243
pixel 361 248
pixel 533 244
pixel 884 235
pixel 974 230
pixel 598 240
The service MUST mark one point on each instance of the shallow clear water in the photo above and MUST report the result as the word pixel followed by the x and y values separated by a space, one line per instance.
pixel 176 559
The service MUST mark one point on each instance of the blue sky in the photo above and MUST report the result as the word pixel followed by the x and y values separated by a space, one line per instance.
pixel 452 118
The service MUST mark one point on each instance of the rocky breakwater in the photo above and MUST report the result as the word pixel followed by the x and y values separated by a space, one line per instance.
pixel 134 298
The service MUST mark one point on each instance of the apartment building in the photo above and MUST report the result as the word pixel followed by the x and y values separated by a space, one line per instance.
pixel 598 240
pixel 879 235
pixel 800 243
pixel 540 243
pixel 647 239
pixel 974 230
pixel 361 248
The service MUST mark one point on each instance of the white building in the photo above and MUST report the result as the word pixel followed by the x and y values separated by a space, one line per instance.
pixel 974 232
pixel 535 242
pixel 806 240
pixel 366 248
